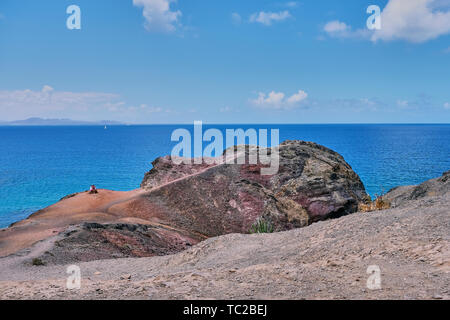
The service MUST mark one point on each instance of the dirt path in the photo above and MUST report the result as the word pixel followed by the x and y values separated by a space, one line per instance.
pixel 143 192
pixel 76 209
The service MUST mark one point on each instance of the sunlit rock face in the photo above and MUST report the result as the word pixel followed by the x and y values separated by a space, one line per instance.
pixel 312 183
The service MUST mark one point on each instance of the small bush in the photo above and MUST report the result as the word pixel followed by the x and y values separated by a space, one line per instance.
pixel 379 204
pixel 37 262
pixel 262 226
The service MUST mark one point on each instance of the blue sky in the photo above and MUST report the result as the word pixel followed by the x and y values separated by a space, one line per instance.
pixel 233 61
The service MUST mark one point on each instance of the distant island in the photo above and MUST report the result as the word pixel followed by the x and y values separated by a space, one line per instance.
pixel 58 122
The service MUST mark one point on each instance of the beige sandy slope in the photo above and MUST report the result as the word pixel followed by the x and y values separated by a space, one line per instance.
pixel 329 259
pixel 105 207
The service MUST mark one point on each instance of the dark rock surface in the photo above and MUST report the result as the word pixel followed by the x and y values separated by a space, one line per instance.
pixel 95 241
pixel 401 196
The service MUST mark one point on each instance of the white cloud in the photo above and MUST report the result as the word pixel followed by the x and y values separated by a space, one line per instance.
pixel 225 109
pixel 339 29
pixel 414 20
pixel 236 18
pixel 336 26
pixel 158 15
pixel 410 20
pixel 355 104
pixel 267 18
pixel 141 109
pixel 47 89
pixel 291 4
pixel 297 97
pixel 403 103
pixel 273 100
pixel 50 103
pixel 278 100
pixel 447 105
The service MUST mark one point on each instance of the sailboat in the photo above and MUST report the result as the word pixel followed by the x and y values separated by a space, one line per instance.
pixel 106 128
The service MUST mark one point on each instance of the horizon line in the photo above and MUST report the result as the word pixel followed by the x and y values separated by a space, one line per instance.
pixel 94 124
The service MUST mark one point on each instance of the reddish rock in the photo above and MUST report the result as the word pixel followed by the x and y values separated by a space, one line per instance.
pixel 316 178
pixel 181 205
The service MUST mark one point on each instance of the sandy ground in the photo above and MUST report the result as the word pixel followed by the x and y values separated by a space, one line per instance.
pixel 327 260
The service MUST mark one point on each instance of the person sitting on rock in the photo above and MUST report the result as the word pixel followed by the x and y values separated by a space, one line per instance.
pixel 93 189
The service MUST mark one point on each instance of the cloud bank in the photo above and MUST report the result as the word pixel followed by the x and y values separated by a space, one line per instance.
pixel 415 21
pixel 89 106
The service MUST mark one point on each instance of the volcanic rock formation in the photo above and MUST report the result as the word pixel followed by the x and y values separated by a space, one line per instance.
pixel 181 205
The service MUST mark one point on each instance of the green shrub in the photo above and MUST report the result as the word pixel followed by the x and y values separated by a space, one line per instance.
pixel 261 226
pixel 37 262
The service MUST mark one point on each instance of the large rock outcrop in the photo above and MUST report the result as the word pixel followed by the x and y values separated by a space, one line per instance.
pixel 181 205
pixel 313 183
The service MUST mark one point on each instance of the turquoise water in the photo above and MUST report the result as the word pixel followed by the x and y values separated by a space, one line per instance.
pixel 39 165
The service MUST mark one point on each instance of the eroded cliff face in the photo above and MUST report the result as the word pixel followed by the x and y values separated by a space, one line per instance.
pixel 181 205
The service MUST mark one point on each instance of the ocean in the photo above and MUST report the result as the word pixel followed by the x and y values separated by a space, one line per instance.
pixel 40 165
